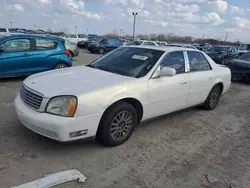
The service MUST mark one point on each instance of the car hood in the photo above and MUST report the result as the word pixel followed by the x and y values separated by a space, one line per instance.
pixel 73 81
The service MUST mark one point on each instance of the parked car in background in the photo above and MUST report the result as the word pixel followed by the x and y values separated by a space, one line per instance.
pixel 85 44
pixel 240 67
pixel 183 46
pixel 73 49
pixel 23 55
pixel 142 43
pixel 4 31
pixel 162 43
pixel 113 94
pixel 82 37
pixel 105 45
pixel 244 48
pixel 73 38
pixel 218 53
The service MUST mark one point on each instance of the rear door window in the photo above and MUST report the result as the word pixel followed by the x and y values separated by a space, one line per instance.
pixel 45 44
pixel 16 45
pixel 198 62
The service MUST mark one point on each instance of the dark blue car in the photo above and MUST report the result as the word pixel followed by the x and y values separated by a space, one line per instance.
pixel 23 55
pixel 105 45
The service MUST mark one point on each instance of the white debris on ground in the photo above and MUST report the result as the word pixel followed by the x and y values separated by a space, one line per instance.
pixel 55 179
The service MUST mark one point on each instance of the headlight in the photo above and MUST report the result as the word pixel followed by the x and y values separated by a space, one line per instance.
pixel 62 105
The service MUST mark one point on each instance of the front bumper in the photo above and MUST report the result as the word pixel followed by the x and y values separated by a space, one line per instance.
pixel 56 127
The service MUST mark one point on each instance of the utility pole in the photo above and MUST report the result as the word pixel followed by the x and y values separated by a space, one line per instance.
pixel 75 29
pixel 134 14
pixel 226 37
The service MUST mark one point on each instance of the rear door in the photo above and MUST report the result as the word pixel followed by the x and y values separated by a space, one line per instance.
pixel 16 57
pixel 201 78
pixel 45 54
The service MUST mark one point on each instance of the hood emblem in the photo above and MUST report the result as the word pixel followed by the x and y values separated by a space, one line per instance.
pixel 33 83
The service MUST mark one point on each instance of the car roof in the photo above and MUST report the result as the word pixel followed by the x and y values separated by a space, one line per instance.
pixel 163 48
pixel 29 36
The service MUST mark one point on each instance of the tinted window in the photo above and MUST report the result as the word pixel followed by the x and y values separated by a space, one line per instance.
pixel 245 57
pixel 175 60
pixel 149 43
pixel 45 44
pixel 114 42
pixel 198 62
pixel 191 47
pixel 244 47
pixel 16 45
pixel 71 36
pixel 133 62
pixel 3 30
pixel 136 43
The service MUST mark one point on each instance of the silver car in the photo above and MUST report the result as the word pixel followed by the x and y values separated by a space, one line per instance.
pixel 73 49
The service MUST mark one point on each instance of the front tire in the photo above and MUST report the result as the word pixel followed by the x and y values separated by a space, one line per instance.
pixel 117 124
pixel 213 98
pixel 101 51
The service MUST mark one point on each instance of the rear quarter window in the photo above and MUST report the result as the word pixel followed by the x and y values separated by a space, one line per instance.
pixel 45 44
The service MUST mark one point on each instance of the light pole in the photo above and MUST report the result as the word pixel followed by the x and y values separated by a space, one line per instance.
pixel 134 14
pixel 11 24
pixel 75 29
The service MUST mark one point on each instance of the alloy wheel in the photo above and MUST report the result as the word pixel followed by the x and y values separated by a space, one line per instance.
pixel 121 125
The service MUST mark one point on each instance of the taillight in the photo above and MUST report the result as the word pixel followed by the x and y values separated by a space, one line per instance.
pixel 67 52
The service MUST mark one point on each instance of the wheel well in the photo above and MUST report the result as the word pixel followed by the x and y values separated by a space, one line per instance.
pixel 61 63
pixel 221 86
pixel 134 102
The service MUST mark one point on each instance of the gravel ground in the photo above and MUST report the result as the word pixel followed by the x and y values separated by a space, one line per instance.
pixel 188 149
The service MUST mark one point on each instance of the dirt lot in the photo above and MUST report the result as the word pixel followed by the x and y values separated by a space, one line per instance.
pixel 174 151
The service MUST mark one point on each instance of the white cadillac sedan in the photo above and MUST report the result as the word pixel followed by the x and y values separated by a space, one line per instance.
pixel 109 97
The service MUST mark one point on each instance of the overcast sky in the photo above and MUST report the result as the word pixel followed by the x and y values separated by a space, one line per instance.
pixel 213 18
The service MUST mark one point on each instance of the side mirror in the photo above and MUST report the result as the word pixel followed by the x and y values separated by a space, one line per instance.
pixel 1 50
pixel 164 71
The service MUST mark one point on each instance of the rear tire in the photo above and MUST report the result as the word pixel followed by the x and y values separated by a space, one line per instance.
pixel 117 124
pixel 213 98
pixel 60 66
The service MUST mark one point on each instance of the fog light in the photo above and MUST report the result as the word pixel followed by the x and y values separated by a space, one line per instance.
pixel 78 133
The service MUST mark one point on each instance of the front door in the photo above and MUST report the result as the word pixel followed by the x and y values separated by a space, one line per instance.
pixel 169 94
pixel 201 78
pixel 16 57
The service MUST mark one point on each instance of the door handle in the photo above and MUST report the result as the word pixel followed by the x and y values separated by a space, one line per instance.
pixel 26 54
pixel 210 78
pixel 184 82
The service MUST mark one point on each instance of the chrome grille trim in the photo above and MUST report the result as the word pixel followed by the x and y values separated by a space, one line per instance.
pixel 31 97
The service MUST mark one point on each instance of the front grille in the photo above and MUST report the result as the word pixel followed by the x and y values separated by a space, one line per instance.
pixel 30 97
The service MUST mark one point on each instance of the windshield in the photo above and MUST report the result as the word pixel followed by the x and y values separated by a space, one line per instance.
pixel 244 47
pixel 132 62
pixel 137 43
